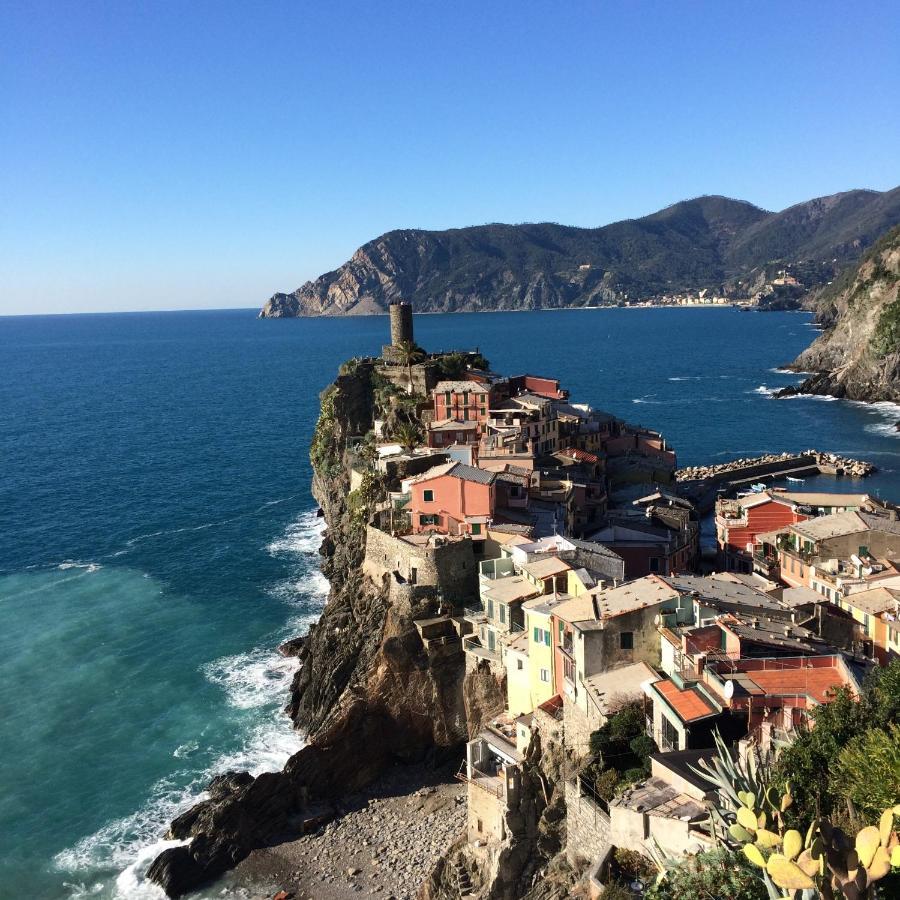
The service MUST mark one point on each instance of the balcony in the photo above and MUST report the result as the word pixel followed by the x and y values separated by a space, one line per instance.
pixel 472 644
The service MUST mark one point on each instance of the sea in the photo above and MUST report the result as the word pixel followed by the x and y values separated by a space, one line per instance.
pixel 158 538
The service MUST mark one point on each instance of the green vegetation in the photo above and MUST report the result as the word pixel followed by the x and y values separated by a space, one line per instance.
pixel 815 859
pixel 720 874
pixel 324 452
pixel 407 434
pixel 455 366
pixel 842 723
pixel 867 772
pixel 620 752
pixel 361 502
pixel 887 332
pixel 409 353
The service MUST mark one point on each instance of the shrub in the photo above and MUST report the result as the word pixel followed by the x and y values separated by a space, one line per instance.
pixel 712 875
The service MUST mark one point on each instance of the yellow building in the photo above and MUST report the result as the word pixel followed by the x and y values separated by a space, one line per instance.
pixel 876 610
pixel 577 585
pixel 541 677
pixel 518 676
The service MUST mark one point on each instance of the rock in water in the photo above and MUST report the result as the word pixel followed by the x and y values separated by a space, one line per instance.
pixel 291 647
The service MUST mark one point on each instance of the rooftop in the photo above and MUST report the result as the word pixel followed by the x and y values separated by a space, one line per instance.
pixel 723 590
pixel 474 387
pixel 642 592
pixel 688 702
pixel 452 425
pixel 610 688
pixel 874 601
pixel 785 677
pixel 835 525
pixel 657 798
pixel 823 498
pixel 546 568
pixel 456 470
pixel 509 589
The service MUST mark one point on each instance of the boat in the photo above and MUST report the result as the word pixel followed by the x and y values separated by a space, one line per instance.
pixel 794 480
pixel 757 488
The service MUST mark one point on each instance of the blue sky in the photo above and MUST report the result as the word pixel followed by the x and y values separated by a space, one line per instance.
pixel 184 155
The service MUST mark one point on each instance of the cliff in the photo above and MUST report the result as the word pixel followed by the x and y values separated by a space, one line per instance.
pixel 858 354
pixel 367 693
pixel 709 242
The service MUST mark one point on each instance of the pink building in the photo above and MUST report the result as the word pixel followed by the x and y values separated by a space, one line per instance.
pixel 462 401
pixel 453 499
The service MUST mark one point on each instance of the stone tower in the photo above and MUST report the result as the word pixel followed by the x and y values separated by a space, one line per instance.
pixel 401 322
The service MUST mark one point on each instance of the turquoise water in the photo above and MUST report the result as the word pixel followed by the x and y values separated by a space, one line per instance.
pixel 157 537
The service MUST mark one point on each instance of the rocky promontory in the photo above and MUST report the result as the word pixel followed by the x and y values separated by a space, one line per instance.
pixel 367 695
pixel 857 357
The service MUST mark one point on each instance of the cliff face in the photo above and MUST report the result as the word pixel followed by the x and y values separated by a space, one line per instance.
pixel 367 694
pixel 710 242
pixel 858 355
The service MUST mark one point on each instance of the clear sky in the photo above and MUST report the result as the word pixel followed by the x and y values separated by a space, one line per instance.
pixel 158 155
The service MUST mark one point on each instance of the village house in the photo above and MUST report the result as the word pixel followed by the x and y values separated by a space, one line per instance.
pixel 740 522
pixel 766 697
pixel 877 614
pixel 819 552
pixel 462 401
pixel 493 779
pixel 452 499
pixel 652 541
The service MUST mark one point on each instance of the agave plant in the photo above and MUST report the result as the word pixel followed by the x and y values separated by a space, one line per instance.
pixel 823 863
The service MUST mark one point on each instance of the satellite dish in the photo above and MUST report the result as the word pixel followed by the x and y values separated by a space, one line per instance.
pixel 729 689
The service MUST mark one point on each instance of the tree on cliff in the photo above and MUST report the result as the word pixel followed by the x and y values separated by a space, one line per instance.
pixel 407 354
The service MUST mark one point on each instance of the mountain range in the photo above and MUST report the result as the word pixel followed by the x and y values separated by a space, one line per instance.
pixel 710 242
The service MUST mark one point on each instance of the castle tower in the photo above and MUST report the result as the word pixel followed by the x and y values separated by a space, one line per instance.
pixel 401 322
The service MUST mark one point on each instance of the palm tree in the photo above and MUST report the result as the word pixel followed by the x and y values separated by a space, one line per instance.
pixel 406 434
pixel 408 353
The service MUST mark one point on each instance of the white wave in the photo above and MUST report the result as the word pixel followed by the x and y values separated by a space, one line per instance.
pixel 780 371
pixel 686 377
pixel 302 537
pixel 130 844
pixel 71 564
pixel 269 745
pixel 823 397
pixel 888 429
pixel 185 749
pixel 765 391
pixel 132 881
pixel 252 679
pixel 118 843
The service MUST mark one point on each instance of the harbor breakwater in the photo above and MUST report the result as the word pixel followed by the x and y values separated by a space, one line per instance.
pixel 701 484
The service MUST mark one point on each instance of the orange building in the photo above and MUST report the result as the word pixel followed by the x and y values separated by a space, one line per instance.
pixel 453 499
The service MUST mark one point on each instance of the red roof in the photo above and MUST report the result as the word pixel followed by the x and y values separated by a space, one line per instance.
pixel 815 683
pixel 689 703
pixel 582 455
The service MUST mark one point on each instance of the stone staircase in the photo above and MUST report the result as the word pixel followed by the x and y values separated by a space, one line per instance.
pixel 463 882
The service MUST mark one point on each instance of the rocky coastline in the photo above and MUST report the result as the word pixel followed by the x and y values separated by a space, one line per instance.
pixel 366 694
pixel 857 356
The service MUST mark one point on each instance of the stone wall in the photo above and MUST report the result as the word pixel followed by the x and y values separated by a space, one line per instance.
pixel 587 826
pixel 578 727
pixel 451 567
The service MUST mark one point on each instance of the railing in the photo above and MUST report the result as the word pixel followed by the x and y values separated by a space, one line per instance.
pixel 472 644
pixel 490 783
